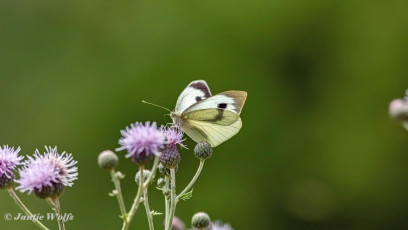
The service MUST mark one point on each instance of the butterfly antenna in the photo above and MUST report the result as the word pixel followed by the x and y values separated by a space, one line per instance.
pixel 156 105
pixel 164 118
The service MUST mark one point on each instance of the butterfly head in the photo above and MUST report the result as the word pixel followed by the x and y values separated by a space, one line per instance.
pixel 176 117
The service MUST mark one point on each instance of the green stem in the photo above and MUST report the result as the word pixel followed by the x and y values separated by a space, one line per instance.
pixel 167 203
pixel 144 184
pixel 57 208
pixel 190 185
pixel 152 172
pixel 118 194
pixel 51 203
pixel 148 212
pixel 25 209
pixel 136 202
pixel 172 198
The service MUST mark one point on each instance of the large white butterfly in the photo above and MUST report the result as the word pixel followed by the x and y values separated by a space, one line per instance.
pixel 204 117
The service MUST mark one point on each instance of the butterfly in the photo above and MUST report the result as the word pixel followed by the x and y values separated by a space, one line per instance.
pixel 206 117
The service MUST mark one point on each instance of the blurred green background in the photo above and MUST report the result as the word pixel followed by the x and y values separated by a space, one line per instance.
pixel 317 149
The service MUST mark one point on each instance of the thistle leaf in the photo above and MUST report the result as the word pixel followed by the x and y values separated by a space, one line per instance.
pixel 187 195
pixel 119 175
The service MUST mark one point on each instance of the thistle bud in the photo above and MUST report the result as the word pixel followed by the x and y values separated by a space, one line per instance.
pixel 165 171
pixel 6 181
pixel 166 192
pixel 108 160
pixel 170 157
pixel 53 191
pixel 203 150
pixel 146 174
pixel 161 182
pixel 200 220
pixel 142 158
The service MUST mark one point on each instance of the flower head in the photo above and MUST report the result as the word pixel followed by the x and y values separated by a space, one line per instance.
pixel 399 109
pixel 170 156
pixel 164 170
pixel 177 224
pixel 142 141
pixel 174 136
pixel 37 176
pixel 203 150
pixel 108 160
pixel 9 160
pixel 146 174
pixel 218 225
pixel 200 220
pixel 49 172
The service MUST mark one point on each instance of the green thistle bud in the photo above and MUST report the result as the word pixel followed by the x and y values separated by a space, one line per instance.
pixel 200 220
pixel 165 171
pixel 6 182
pixel 146 174
pixel 203 150
pixel 108 160
pixel 166 192
pixel 161 182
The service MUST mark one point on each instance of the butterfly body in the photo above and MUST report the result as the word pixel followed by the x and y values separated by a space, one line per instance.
pixel 206 117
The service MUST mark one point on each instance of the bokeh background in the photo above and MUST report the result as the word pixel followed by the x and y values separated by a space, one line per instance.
pixel 317 149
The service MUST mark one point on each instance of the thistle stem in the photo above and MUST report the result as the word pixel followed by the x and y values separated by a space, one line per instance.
pixel 152 172
pixel 136 202
pixel 57 209
pixel 25 209
pixel 190 185
pixel 118 194
pixel 51 203
pixel 148 212
pixel 172 198
pixel 167 203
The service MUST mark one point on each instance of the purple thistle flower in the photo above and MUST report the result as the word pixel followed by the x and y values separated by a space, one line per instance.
pixel 37 176
pixel 174 136
pixel 218 225
pixel 399 110
pixel 177 224
pixel 50 170
pixel 9 160
pixel 63 163
pixel 170 156
pixel 142 141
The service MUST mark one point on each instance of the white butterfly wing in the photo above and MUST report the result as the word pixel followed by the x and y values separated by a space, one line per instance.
pixel 196 91
pixel 212 125
pixel 229 100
